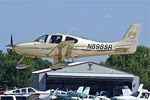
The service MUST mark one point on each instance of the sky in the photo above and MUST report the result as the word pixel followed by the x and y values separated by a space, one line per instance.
pixel 99 20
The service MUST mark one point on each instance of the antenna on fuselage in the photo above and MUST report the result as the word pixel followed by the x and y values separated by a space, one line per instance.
pixel 70 30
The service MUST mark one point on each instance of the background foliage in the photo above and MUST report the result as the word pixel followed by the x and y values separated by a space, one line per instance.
pixel 137 63
pixel 12 77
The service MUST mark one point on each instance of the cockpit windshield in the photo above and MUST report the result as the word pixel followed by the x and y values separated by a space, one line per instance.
pixel 42 38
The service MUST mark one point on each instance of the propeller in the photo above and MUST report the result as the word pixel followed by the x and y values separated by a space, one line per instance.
pixel 11 46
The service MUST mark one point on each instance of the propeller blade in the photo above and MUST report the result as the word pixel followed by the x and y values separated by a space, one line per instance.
pixel 11 41
pixel 11 46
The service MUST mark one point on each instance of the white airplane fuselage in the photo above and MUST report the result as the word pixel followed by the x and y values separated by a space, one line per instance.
pixel 57 46
pixel 83 48
pixel 142 95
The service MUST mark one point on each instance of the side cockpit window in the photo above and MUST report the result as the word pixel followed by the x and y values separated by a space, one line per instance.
pixel 42 39
pixel 55 39
pixel 71 39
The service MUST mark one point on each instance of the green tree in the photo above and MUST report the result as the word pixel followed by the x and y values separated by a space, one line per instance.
pixel 137 63
pixel 12 77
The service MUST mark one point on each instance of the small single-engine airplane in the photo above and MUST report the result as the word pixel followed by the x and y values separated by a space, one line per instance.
pixel 140 94
pixel 61 47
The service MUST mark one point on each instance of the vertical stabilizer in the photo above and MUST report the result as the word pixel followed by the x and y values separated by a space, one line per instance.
pixel 86 91
pixel 126 91
pixel 80 89
pixel 140 87
pixel 130 41
pixel 132 34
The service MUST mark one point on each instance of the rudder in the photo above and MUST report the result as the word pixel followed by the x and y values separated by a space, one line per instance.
pixel 132 34
pixel 131 37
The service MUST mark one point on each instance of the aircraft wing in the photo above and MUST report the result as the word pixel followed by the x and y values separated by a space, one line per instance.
pixel 62 51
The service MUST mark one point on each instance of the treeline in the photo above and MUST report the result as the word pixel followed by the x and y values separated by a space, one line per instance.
pixel 12 77
pixel 137 63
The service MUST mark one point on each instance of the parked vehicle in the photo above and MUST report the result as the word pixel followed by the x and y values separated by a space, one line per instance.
pixel 44 95
pixel 34 96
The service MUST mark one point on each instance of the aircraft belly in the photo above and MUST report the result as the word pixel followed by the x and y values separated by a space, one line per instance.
pixel 42 53
pixel 84 53
pixel 36 52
